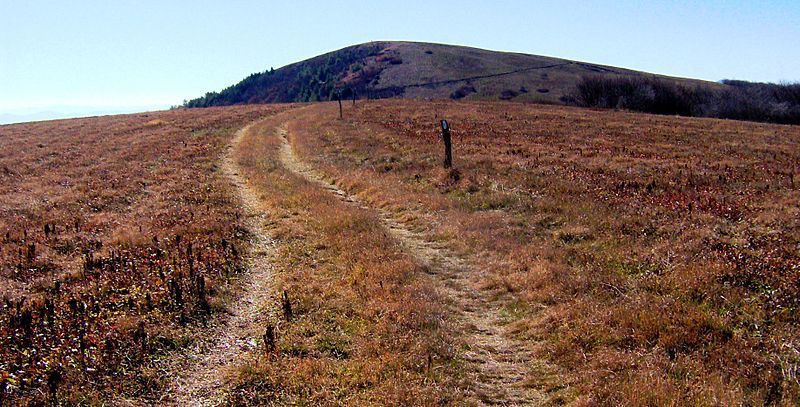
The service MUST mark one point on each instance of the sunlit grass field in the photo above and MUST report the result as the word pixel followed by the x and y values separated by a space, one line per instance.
pixel 644 260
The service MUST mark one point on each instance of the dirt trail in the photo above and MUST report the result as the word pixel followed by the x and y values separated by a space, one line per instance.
pixel 499 362
pixel 231 339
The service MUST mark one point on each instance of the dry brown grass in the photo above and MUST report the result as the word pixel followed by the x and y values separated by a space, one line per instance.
pixel 366 327
pixel 652 260
pixel 108 226
pixel 656 257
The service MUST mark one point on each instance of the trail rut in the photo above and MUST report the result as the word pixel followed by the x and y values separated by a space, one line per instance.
pixel 498 361
pixel 232 338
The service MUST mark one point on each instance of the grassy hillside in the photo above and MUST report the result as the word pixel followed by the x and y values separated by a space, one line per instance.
pixel 653 260
pixel 572 256
pixel 417 70
pixel 119 240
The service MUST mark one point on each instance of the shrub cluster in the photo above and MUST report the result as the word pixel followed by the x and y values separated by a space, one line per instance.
pixel 739 100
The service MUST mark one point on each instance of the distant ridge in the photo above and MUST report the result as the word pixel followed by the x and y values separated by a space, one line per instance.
pixel 417 70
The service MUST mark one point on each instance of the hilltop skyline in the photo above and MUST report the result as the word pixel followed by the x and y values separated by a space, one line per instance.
pixel 95 56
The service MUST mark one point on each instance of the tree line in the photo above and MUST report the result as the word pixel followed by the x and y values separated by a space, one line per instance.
pixel 734 99
pixel 308 81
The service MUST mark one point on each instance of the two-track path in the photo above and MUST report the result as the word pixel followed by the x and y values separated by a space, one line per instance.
pixel 229 340
pixel 498 361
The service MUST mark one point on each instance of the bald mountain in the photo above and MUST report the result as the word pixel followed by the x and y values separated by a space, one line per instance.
pixel 417 70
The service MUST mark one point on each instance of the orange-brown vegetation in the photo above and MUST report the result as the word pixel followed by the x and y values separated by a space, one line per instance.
pixel 363 326
pixel 118 237
pixel 647 260
pixel 656 259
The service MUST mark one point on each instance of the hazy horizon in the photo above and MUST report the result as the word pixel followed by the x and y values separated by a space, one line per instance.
pixel 56 112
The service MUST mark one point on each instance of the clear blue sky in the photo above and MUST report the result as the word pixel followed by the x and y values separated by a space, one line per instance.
pixel 125 55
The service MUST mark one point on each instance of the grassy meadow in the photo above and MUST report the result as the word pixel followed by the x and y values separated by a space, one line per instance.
pixel 653 259
pixel 645 260
pixel 119 239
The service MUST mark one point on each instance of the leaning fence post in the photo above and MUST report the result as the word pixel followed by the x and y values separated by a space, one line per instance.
pixel 339 98
pixel 448 153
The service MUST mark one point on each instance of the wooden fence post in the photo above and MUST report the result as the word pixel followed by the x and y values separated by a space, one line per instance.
pixel 269 339
pixel 448 153
pixel 339 98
